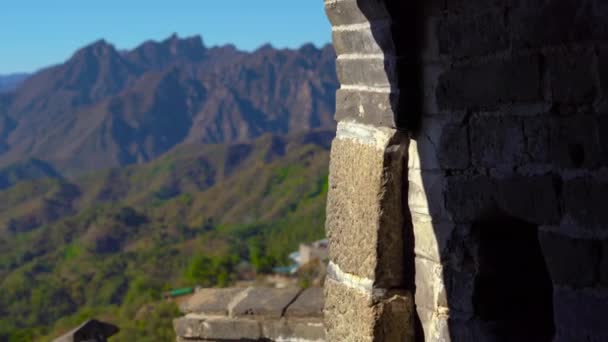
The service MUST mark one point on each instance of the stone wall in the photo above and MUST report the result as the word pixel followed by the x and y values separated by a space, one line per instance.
pixel 469 169
pixel 252 314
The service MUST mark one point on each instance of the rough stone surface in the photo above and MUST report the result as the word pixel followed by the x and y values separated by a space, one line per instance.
pixel 531 198
pixel 211 301
pixel 497 142
pixel 581 315
pixel 308 304
pixel 368 107
pixel 372 72
pixel 217 328
pixel 491 84
pixel 265 302
pixel 294 329
pixel 364 209
pixel 474 35
pixel 365 40
pixel 585 201
pixel 572 262
pixel 345 12
pixel 351 315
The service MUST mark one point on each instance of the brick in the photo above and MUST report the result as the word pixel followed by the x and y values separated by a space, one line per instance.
pixel 580 315
pixel 293 330
pixel 572 77
pixel 345 12
pixel 440 287
pixel 604 264
pixel 533 199
pixel 308 304
pixel 365 216
pixel 426 194
pixel 369 107
pixel 460 201
pixel 216 328
pixel 570 261
pixel 537 138
pixel 602 72
pixel 431 239
pixel 351 315
pixel 470 36
pixel 365 40
pixel 265 302
pixel 489 85
pixel 497 141
pixel 211 301
pixel 441 144
pixel 574 142
pixel 429 282
pixel 473 7
pixel 545 23
pixel 585 201
pixel 374 72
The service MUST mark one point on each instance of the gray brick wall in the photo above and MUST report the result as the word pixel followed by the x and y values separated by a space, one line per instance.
pixel 502 107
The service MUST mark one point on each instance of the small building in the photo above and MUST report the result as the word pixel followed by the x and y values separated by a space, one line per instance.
pixel 313 251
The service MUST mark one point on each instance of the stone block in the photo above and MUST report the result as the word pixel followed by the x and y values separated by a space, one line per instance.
pixel 431 239
pixel 580 315
pixel 489 85
pixel 346 12
pixel 477 35
pixel 473 7
pixel 365 211
pixel 538 24
pixel 603 270
pixel 368 40
pixel 585 201
pixel 537 139
pixel 373 72
pixel 351 315
pixel 532 199
pixel 572 76
pixel 369 107
pixel 435 326
pixel 570 261
pixel 294 330
pixel 211 301
pixel 574 142
pixel 429 283
pixel 602 63
pixel 197 327
pixel 497 142
pixel 440 144
pixel 426 191
pixel 469 198
pixel 265 302
pixel 308 304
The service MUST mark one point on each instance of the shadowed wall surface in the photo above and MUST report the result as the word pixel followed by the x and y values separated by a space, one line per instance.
pixel 468 173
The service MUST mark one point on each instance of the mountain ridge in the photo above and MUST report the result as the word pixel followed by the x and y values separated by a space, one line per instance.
pixel 108 108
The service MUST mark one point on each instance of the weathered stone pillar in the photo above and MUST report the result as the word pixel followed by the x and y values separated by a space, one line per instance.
pixel 367 297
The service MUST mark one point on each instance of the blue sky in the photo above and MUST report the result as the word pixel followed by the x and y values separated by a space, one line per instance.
pixel 38 33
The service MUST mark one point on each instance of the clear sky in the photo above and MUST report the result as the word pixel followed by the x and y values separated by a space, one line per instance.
pixel 38 33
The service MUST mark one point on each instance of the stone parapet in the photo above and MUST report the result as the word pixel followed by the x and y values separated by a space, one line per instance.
pixel 252 314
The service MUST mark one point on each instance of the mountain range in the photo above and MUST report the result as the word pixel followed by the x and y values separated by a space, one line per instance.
pixel 127 173
pixel 11 82
pixel 109 108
